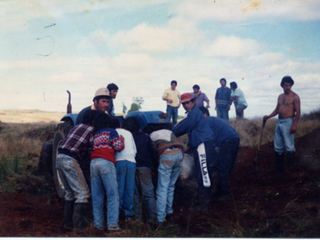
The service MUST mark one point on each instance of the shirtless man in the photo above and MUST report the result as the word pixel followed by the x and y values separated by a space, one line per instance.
pixel 288 109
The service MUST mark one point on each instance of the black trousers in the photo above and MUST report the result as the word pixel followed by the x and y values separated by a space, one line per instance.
pixel 226 159
pixel 205 165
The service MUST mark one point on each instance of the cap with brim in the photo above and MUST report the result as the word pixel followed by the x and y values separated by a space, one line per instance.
pixel 186 97
pixel 102 92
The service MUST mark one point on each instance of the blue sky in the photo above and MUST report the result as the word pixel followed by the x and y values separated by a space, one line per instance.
pixel 50 46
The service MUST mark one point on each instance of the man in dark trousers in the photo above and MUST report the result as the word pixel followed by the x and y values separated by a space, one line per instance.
pixel 201 142
pixel 227 144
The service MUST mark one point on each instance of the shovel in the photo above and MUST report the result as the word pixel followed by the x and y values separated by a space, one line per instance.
pixel 255 161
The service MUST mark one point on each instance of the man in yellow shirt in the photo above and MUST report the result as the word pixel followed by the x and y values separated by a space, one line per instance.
pixel 172 96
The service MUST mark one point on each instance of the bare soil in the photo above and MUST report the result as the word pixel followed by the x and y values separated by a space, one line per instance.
pixel 265 205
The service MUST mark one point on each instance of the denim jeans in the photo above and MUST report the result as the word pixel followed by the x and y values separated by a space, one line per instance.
pixel 104 180
pixel 283 139
pixel 144 193
pixel 223 113
pixel 239 110
pixel 72 179
pixel 172 111
pixel 126 171
pixel 168 172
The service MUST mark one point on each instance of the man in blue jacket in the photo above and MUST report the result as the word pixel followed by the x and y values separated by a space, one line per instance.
pixel 201 141
pixel 223 100
pixel 226 151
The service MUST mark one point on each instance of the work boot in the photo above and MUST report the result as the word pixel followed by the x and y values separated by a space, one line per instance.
pixel 290 159
pixel 68 215
pixel 80 218
pixel 278 163
pixel 115 229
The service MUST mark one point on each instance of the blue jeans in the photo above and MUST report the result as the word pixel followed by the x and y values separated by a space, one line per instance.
pixel 72 179
pixel 283 139
pixel 168 172
pixel 126 171
pixel 172 111
pixel 239 110
pixel 144 192
pixel 104 180
pixel 223 113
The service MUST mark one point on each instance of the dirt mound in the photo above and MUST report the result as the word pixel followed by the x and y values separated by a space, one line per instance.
pixel 265 205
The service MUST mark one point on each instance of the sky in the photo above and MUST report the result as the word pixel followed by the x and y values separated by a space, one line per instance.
pixel 50 46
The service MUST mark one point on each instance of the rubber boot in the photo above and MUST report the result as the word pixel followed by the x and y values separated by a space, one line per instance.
pixel 278 163
pixel 68 215
pixel 80 219
pixel 290 159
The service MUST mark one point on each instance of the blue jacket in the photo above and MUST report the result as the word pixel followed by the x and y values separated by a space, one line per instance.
pixel 110 109
pixel 223 97
pixel 221 129
pixel 195 125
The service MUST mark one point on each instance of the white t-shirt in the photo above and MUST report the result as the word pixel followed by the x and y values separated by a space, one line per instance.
pixel 130 150
pixel 241 98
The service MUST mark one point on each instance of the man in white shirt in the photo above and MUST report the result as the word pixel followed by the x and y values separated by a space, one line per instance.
pixel 239 100
pixel 126 170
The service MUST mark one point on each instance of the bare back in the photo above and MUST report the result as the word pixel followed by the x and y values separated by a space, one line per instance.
pixel 287 105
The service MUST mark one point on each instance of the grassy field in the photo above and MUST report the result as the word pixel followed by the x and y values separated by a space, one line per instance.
pixel 29 116
pixel 20 143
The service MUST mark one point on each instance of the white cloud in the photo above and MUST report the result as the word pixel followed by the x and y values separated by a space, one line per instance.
pixel 267 58
pixel 248 10
pixel 145 38
pixel 66 78
pixel 232 46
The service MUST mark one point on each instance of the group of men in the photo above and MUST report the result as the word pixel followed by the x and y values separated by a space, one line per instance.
pixel 121 162
pixel 212 141
pixel 223 99
pixel 215 143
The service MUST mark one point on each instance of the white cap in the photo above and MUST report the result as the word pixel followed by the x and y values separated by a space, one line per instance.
pixel 102 92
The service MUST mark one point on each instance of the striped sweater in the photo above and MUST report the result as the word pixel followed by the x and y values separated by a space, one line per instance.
pixel 105 142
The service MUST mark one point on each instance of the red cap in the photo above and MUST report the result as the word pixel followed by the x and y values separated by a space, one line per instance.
pixel 186 97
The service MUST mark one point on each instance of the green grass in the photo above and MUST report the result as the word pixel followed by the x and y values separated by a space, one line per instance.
pixel 8 167
pixel 20 146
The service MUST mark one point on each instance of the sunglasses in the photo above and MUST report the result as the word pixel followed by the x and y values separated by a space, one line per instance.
pixel 186 103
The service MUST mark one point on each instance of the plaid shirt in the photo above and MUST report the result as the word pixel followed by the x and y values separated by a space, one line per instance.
pixel 78 142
